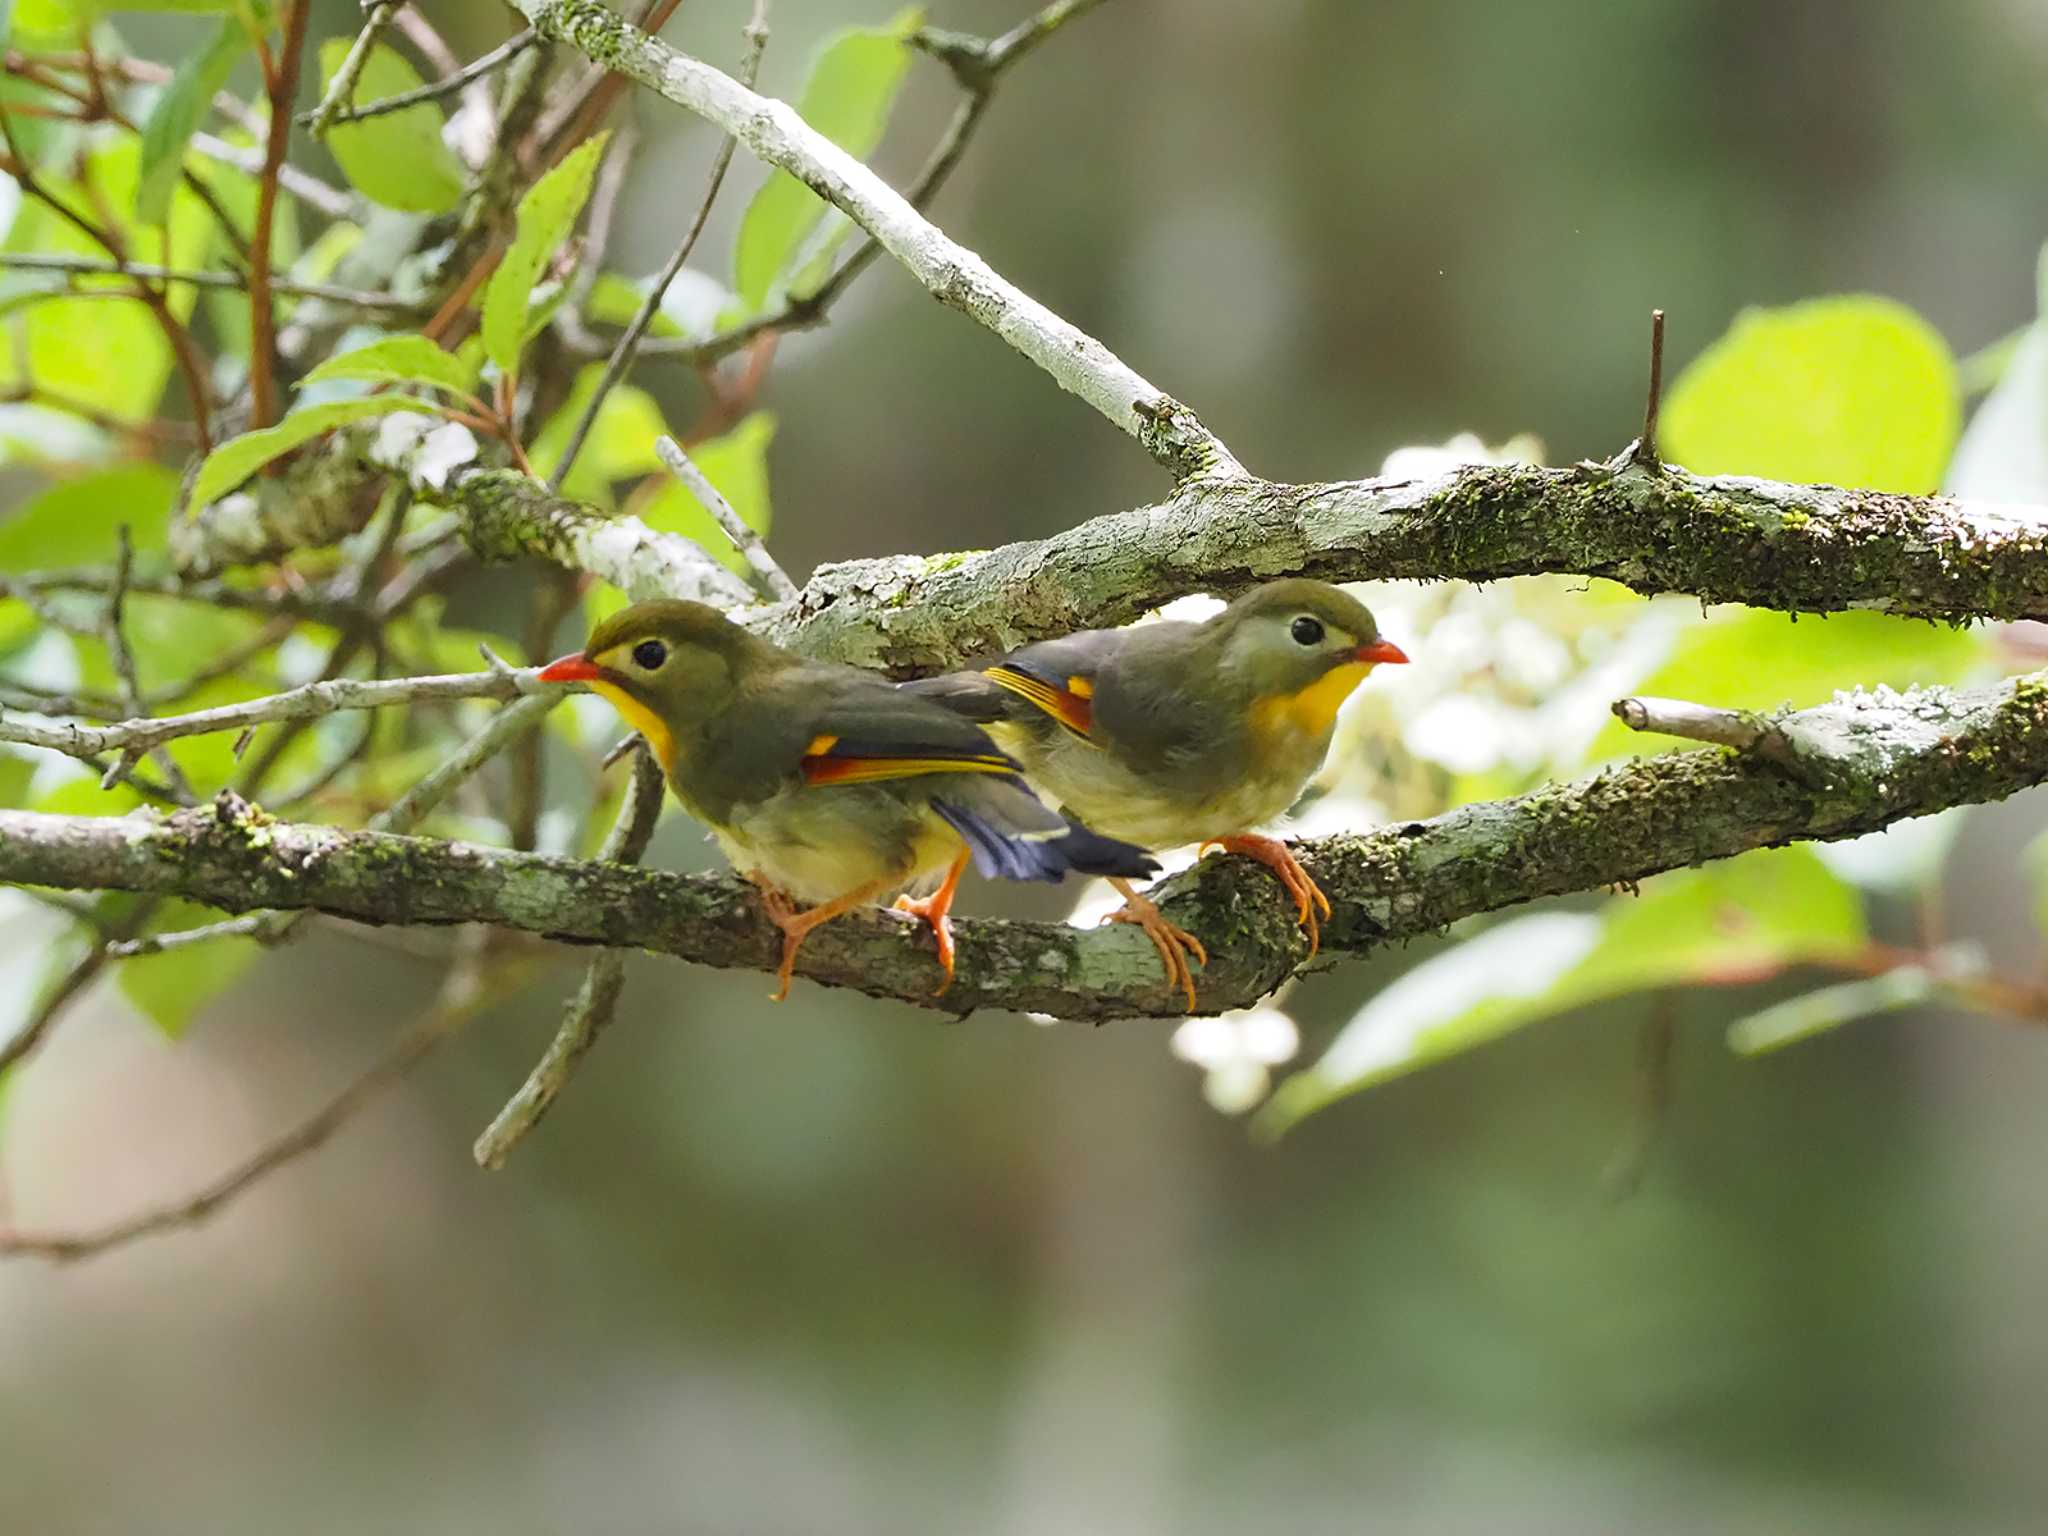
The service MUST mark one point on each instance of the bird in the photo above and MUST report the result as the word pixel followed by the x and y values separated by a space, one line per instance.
pixel 1179 732
pixel 824 784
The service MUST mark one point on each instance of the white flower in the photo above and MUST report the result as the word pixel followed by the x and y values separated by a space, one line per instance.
pixel 1237 1052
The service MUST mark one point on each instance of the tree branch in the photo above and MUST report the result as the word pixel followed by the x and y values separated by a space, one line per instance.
pixel 1894 757
pixel 954 275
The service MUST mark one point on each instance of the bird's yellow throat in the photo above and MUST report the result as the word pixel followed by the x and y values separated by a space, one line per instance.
pixel 1313 710
pixel 641 718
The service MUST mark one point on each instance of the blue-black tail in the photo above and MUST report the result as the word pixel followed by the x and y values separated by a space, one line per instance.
pixel 1010 843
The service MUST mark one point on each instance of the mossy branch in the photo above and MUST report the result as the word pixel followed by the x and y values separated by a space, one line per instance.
pixel 1889 757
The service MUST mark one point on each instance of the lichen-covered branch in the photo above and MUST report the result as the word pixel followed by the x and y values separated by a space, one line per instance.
pixel 1797 548
pixel 1891 757
pixel 506 514
pixel 954 275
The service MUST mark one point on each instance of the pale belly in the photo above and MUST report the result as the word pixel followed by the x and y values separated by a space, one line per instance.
pixel 818 844
pixel 1116 802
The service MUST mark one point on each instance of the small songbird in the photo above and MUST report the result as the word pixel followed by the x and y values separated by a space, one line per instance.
pixel 824 784
pixel 1171 733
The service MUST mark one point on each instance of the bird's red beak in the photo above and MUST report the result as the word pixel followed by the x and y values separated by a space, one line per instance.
pixel 1380 651
pixel 571 669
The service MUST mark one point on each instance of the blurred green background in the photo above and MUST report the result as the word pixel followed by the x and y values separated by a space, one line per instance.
pixel 835 1267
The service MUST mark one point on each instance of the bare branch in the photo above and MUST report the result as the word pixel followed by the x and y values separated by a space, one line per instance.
pixel 86 266
pixel 433 90
pixel 772 581
pixel 953 274
pixel 1898 756
pixel 308 702
pixel 342 87
pixel 462 999
pixel 629 341
pixel 596 999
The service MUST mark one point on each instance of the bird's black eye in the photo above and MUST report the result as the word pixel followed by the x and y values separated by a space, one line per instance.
pixel 648 655
pixel 1306 631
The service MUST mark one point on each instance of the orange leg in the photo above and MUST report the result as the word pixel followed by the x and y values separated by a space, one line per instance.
pixel 1309 900
pixel 934 909
pixel 796 923
pixel 1175 945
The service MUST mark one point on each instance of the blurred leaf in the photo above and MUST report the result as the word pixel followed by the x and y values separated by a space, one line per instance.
pixel 546 215
pixel 1855 391
pixel 16 770
pixel 621 441
pixel 2034 857
pixel 240 457
pixel 852 86
pixel 409 359
pixel 1729 922
pixel 75 521
pixel 2004 454
pixel 108 354
pixel 1747 658
pixel 179 109
pixel 398 158
pixel 1826 1008
pixel 171 986
pixel 615 300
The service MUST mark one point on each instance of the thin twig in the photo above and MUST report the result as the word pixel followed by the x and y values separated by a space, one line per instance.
pixel 1646 445
pixel 74 981
pixel 316 194
pixel 978 65
pixel 598 996
pixel 622 354
pixel 465 995
pixel 343 85
pixel 281 82
pixel 86 266
pixel 1693 722
pixel 769 578
pixel 433 90
pixel 307 702
pixel 123 661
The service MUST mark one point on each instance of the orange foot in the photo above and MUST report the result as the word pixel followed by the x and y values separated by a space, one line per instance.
pixel 934 909
pixel 1309 900
pixel 796 923
pixel 1175 945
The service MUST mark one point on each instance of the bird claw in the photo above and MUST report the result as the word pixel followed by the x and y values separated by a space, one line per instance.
pixel 1174 943
pixel 1310 903
pixel 931 910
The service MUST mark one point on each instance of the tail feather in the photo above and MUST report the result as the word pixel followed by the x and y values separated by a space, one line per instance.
pixel 1005 850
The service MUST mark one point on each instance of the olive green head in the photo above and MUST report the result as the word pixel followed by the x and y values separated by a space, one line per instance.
pixel 666 666
pixel 1288 636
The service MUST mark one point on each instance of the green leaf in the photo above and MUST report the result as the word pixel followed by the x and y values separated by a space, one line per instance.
pixel 1726 923
pixel 1826 1008
pixel 240 457
pixel 1856 391
pixel 406 359
pixel 1747 658
pixel 75 521
pixel 180 109
pixel 621 441
pixel 852 86
pixel 396 159
pixel 169 987
pixel 546 215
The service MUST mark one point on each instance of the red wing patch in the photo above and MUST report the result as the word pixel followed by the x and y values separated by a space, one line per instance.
pixel 1072 705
